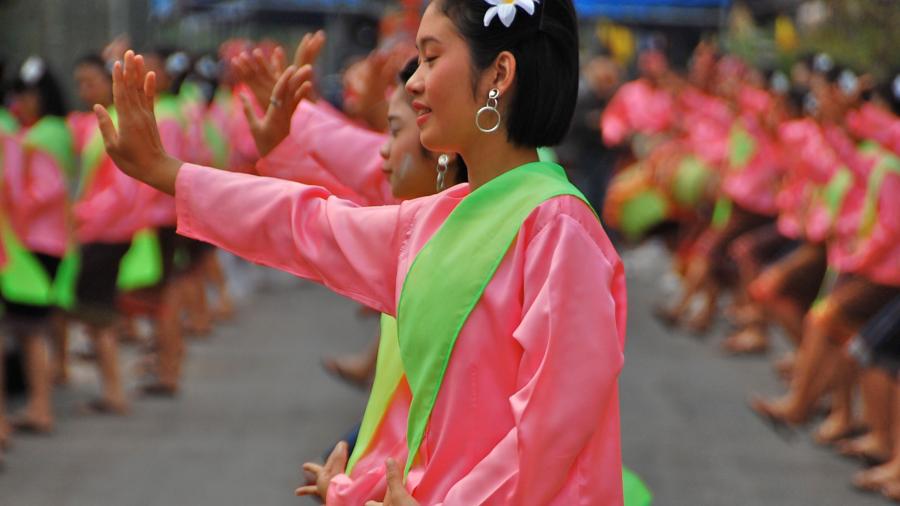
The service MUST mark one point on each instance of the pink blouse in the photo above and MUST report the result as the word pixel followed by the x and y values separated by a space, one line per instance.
pixel 538 423
pixel 35 198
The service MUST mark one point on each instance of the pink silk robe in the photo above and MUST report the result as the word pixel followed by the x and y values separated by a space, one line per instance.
pixel 111 208
pixel 326 149
pixel 35 198
pixel 324 140
pixel 536 424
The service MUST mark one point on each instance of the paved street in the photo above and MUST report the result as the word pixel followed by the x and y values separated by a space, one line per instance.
pixel 256 404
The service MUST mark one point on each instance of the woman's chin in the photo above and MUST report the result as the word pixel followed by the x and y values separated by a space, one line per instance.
pixel 433 140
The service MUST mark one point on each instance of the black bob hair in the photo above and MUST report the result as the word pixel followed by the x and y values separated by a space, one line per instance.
pixel 48 89
pixel 545 46
pixel 96 61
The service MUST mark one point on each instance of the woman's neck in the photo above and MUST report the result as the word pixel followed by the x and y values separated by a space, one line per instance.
pixel 494 156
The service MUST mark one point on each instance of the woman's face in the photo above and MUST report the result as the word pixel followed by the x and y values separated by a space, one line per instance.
pixel 26 106
pixel 411 173
pixel 440 88
pixel 94 87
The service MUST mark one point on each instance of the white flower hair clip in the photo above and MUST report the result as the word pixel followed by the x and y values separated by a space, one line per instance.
pixel 506 10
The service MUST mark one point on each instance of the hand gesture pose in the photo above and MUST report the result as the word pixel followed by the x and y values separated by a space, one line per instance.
pixel 397 495
pixel 135 146
pixel 334 466
pixel 261 74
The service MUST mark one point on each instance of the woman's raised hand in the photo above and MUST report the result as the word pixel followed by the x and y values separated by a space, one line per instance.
pixel 259 74
pixel 293 85
pixel 135 146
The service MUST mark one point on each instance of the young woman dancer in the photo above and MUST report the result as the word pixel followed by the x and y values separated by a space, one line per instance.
pixel 547 304
pixel 39 165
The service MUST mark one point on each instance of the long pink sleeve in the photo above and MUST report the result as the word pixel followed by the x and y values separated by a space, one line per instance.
pixel 566 402
pixel 347 151
pixel 297 228
pixel 288 161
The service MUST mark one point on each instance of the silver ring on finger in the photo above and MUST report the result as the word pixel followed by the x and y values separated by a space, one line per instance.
pixel 274 102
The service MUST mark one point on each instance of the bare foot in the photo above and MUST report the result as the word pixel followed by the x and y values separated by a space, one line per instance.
pixel 700 323
pixel 32 424
pixel 836 428
pixel 749 341
pixel 106 407
pixel 867 448
pixel 666 316
pixel 353 370
pixel 159 389
pixel 872 480
pixel 778 414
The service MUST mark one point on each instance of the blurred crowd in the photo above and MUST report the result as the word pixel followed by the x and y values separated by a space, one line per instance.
pixel 775 191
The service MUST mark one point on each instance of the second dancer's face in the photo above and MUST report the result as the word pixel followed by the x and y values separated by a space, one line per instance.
pixel 410 169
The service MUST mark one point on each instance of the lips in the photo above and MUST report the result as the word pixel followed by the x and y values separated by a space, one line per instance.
pixel 423 112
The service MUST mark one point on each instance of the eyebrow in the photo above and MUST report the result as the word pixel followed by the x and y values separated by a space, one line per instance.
pixel 425 40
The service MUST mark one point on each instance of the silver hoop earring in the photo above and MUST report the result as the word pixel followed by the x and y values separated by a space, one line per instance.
pixel 443 165
pixel 490 109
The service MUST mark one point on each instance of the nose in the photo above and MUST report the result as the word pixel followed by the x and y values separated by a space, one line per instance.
pixel 385 150
pixel 416 83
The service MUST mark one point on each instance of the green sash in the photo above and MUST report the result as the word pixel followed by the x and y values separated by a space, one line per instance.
pixel 24 279
pixel 477 235
pixel 141 267
pixel 388 373
pixel 741 147
pixel 887 162
pixel 8 123
pixel 52 136
pixel 689 183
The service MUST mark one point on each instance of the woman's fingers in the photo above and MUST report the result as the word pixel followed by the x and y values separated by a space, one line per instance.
pixel 279 61
pixel 313 468
pixel 107 129
pixel 252 120
pixel 337 461
pixel 150 90
pixel 300 52
pixel 280 91
pixel 307 490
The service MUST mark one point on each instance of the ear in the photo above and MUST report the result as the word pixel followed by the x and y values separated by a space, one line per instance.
pixel 503 72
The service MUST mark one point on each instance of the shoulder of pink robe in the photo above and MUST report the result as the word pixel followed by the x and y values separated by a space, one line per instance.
pixel 755 186
pixel 36 198
pixel 565 330
pixel 293 159
pixel 347 151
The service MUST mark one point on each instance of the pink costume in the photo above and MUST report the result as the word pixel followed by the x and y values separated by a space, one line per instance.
pixel 755 186
pixel 110 207
pixel 326 149
pixel 35 197
pixel 810 163
pixel 518 429
pixel 706 122
pixel 636 107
